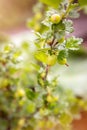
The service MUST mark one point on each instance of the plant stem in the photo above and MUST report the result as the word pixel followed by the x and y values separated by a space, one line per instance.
pixel 47 70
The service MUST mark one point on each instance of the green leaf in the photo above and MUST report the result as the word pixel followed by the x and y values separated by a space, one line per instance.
pixel 38 34
pixel 63 54
pixel 13 70
pixel 7 48
pixel 73 10
pixel 16 54
pixel 46 22
pixel 53 3
pixel 83 2
pixel 68 26
pixel 74 14
pixel 41 56
pixel 31 107
pixel 65 119
pixel 61 58
pixel 73 43
pixel 31 94
pixel 59 30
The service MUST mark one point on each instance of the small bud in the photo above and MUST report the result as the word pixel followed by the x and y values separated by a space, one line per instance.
pixel 62 61
pixel 55 18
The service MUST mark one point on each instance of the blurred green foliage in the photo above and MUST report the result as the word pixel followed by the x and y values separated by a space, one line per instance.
pixel 83 2
pixel 52 3
pixel 55 3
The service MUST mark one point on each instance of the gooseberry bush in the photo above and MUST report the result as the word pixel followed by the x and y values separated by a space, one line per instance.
pixel 30 97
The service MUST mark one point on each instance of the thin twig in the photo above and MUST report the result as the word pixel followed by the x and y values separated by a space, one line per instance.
pixel 47 69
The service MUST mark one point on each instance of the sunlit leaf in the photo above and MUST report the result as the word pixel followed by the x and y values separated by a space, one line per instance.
pixel 83 2
pixel 52 3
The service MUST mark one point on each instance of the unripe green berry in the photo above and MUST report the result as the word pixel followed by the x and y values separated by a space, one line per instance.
pixel 20 93
pixel 49 99
pixel 43 74
pixel 51 60
pixel 21 122
pixel 55 18
pixel 52 99
pixel 62 61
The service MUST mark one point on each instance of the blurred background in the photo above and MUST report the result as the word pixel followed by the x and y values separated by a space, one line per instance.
pixel 13 14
